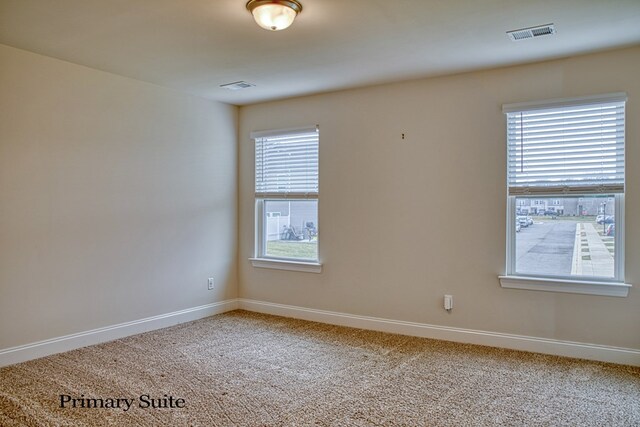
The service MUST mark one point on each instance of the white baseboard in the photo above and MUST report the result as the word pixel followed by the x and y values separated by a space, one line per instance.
pixel 38 349
pixel 625 356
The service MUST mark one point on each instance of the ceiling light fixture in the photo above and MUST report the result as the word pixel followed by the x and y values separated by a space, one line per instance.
pixel 274 15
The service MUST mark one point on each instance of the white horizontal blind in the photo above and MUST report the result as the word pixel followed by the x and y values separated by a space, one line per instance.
pixel 566 149
pixel 287 164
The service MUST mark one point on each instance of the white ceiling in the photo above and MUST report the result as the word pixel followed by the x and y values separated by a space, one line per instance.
pixel 197 45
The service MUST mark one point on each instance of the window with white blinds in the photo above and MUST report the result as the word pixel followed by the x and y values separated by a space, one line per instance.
pixel 287 163
pixel 565 203
pixel 566 146
pixel 286 194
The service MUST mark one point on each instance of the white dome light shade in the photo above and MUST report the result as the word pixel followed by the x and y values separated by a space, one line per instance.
pixel 274 15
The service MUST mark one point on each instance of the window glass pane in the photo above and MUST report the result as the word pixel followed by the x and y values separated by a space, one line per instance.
pixel 291 229
pixel 572 236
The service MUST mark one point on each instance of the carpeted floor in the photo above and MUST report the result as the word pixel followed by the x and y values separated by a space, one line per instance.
pixel 247 369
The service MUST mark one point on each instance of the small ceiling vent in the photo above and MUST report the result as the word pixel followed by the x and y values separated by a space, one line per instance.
pixel 237 85
pixel 533 32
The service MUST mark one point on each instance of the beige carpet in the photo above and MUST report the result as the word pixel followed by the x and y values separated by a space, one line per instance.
pixel 246 369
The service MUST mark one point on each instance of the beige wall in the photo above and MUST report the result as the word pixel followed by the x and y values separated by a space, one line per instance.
pixel 117 199
pixel 403 222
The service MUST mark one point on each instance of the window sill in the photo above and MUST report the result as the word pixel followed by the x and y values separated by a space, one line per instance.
pixel 611 289
pixel 279 264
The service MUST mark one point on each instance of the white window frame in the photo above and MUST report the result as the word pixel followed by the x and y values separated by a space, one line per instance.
pixel 579 285
pixel 260 259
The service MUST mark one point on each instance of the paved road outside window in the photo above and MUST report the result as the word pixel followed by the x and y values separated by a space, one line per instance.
pixel 546 248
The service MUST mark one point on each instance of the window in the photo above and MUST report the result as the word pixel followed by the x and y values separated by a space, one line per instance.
pixel 569 154
pixel 286 193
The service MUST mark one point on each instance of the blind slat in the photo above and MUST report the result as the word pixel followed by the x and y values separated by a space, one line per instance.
pixel 568 148
pixel 287 163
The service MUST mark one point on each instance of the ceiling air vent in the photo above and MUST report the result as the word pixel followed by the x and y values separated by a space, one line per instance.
pixel 237 85
pixel 530 33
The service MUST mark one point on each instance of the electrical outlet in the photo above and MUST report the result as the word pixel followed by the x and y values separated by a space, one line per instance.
pixel 210 283
pixel 448 302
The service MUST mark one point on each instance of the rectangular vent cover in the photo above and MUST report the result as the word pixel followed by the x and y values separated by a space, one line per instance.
pixel 530 33
pixel 237 85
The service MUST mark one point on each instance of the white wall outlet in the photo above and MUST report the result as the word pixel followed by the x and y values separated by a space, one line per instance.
pixel 210 283
pixel 448 302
